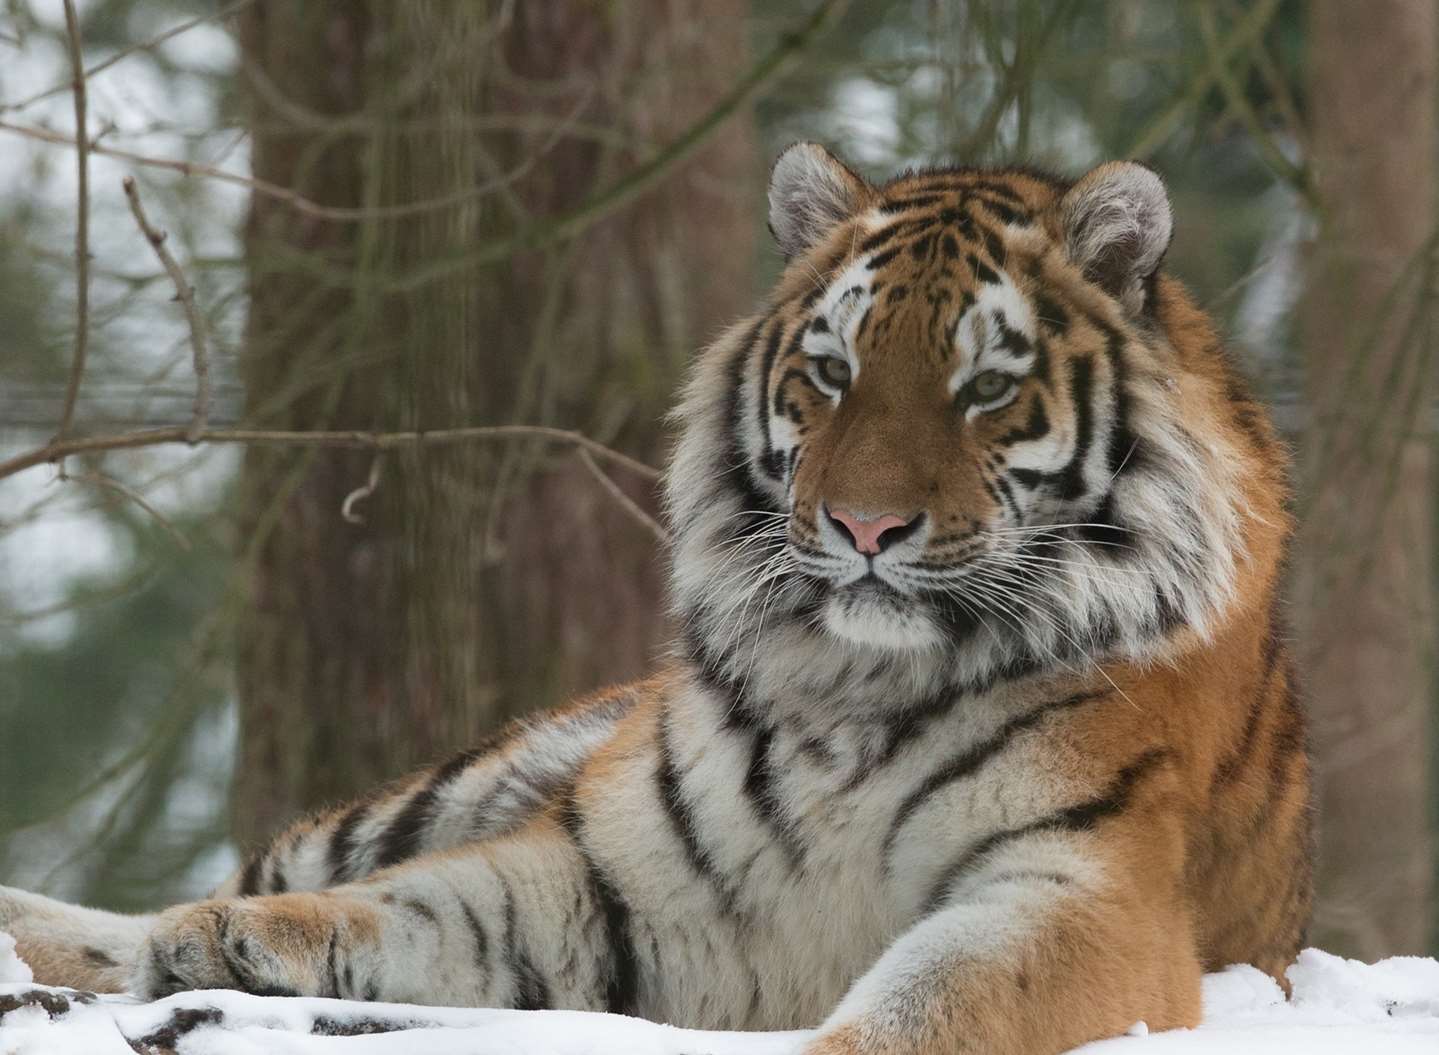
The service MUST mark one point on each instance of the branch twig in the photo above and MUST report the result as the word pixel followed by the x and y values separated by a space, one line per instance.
pixel 352 440
pixel 111 484
pixel 124 53
pixel 82 224
pixel 185 294
pixel 635 183
pixel 359 494
pixel 1249 29
pixel 557 229
pixel 626 503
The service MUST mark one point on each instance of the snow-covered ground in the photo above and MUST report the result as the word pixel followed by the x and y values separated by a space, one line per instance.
pixel 1339 1007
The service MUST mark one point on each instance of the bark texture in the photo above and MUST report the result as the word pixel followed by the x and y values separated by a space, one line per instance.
pixel 1365 588
pixel 485 581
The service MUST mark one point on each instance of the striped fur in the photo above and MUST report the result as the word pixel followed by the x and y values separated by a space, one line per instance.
pixel 1010 785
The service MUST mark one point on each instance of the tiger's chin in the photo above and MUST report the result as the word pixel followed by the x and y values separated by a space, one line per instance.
pixel 880 618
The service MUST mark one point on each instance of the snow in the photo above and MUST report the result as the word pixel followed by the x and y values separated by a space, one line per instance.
pixel 12 968
pixel 1339 1007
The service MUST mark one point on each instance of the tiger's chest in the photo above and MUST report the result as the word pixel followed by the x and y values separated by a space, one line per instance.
pixel 834 838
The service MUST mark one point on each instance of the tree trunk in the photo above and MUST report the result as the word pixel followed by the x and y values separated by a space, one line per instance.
pixel 1364 584
pixel 485 580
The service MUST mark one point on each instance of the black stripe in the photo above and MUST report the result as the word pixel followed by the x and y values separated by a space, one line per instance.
pixel 481 940
pixel 982 271
pixel 420 909
pixel 1228 769
pixel 762 401
pixel 902 728
pixel 1081 391
pixel 1035 428
pixel 880 259
pixel 734 470
pixel 1011 340
pixel 620 970
pixel 993 245
pixel 531 991
pixel 970 761
pixel 405 836
pixel 1080 817
pixel 99 958
pixel 1007 494
pixel 682 821
pixel 250 880
pixel 918 201
pixel 1050 314
pixel 993 187
pixel 330 961
pixel 759 789
pixel 1123 443
pixel 1107 532
pixel 894 231
pixel 1004 212
pixel 342 842
pixel 864 321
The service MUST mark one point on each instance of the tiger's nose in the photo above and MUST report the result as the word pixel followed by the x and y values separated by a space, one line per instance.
pixel 872 535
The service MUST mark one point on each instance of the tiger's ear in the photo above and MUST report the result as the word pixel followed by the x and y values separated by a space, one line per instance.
pixel 810 192
pixel 1117 224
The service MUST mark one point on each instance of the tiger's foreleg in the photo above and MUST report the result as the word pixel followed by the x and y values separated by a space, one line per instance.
pixel 515 923
pixel 1037 950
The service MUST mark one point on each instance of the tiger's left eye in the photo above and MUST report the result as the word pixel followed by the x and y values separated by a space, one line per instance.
pixel 833 371
pixel 990 385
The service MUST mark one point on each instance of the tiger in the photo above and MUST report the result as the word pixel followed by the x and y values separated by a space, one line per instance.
pixel 980 730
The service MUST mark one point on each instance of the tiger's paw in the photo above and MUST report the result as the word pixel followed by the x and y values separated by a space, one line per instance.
pixel 285 945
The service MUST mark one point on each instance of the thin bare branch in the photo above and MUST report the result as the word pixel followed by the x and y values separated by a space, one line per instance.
pixel 82 223
pixel 1296 175
pixel 124 53
pixel 109 483
pixel 549 232
pixel 626 503
pixel 627 188
pixel 185 294
pixel 351 440
pixel 1249 29
pixel 295 200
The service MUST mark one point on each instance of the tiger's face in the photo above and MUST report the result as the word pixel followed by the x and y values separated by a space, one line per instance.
pixel 959 430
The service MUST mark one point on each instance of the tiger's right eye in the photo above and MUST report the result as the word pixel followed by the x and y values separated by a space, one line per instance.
pixel 833 371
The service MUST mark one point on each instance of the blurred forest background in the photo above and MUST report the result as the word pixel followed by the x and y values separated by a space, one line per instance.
pixel 443 214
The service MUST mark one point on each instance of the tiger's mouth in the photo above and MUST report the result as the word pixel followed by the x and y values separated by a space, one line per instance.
pixel 872 611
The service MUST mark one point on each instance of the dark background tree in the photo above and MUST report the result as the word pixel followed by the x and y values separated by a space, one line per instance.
pixel 485 581
pixel 1365 590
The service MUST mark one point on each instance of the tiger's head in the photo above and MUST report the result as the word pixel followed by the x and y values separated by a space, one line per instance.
pixel 975 426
